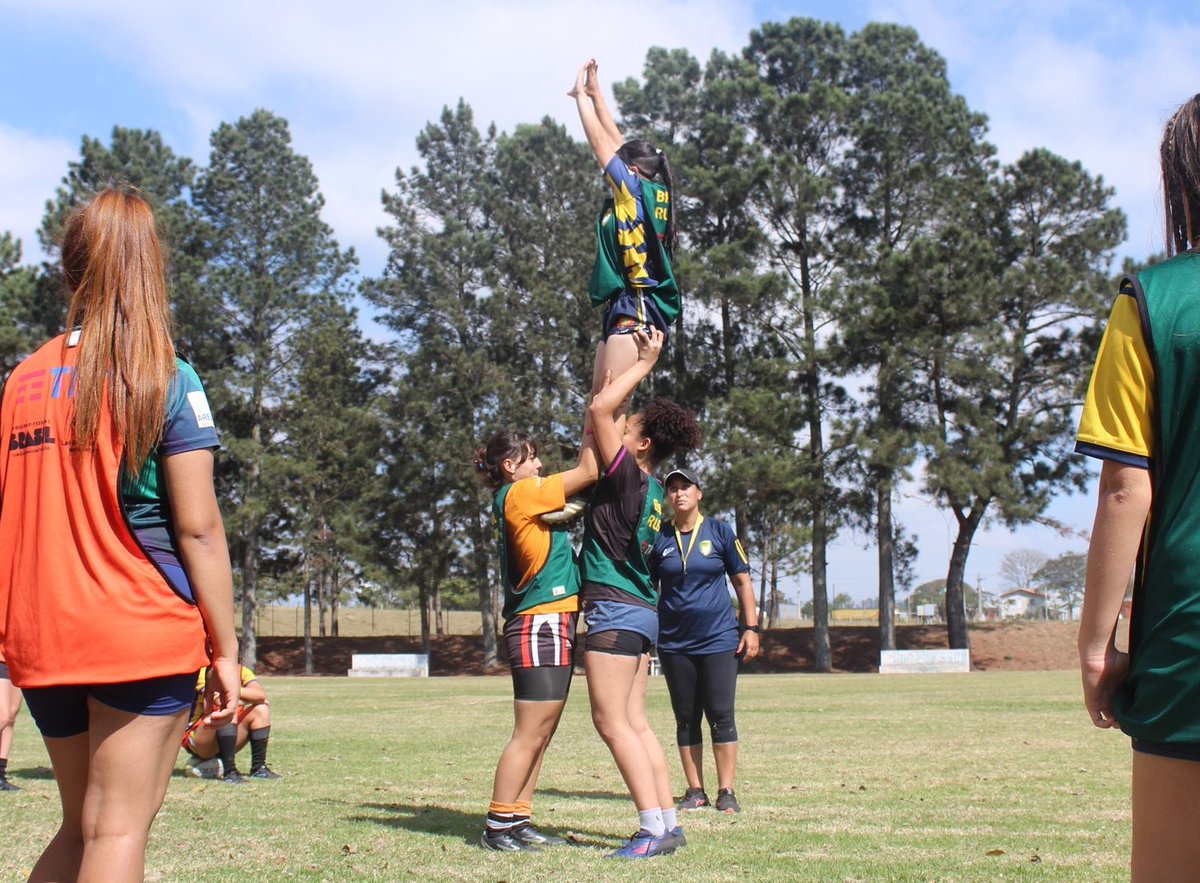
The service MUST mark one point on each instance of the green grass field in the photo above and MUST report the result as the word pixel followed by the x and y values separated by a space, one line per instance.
pixel 986 776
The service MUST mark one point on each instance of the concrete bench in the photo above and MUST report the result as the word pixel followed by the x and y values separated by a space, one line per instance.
pixel 389 665
pixel 923 661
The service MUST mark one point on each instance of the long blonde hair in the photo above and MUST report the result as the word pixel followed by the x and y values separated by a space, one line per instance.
pixel 113 264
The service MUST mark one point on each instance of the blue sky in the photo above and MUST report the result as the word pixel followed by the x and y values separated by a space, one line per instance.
pixel 1091 81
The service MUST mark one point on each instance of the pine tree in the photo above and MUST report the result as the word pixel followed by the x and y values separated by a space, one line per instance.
pixel 272 263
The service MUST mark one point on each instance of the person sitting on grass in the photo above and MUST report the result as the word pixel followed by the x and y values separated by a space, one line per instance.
pixel 213 749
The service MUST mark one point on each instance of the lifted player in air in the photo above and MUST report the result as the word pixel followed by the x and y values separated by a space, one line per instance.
pixel 632 277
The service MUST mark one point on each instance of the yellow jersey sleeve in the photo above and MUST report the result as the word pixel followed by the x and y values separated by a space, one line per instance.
pixel 1117 422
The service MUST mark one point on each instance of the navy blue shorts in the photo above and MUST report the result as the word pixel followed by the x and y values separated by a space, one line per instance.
pixel 631 311
pixel 60 712
pixel 1185 751
pixel 614 616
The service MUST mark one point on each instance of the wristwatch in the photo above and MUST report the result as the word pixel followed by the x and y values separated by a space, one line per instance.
pixel 757 629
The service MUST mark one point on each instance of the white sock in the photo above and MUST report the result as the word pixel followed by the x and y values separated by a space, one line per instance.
pixel 652 820
pixel 669 820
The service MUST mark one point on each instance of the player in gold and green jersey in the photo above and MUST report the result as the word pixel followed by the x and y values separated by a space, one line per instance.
pixel 1142 418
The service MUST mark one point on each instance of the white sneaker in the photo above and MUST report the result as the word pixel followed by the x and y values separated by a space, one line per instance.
pixel 205 769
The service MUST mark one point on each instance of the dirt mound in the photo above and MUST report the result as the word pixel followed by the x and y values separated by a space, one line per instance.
pixel 1011 646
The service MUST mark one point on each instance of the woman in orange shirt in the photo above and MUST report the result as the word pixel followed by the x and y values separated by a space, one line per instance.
pixel 115 579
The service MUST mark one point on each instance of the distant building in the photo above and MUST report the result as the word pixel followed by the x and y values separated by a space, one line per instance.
pixel 1023 603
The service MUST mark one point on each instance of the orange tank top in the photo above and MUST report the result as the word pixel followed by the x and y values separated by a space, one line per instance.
pixel 80 602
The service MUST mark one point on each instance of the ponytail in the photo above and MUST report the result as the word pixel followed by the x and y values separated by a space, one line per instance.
pixel 654 166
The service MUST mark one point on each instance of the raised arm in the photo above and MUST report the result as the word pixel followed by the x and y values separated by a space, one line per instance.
pixel 1124 501
pixel 603 136
pixel 584 473
pixel 607 432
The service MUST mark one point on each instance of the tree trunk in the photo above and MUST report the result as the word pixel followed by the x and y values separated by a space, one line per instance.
pixel 423 601
pixel 822 648
pixel 487 615
pixel 762 581
pixel 333 603
pixel 249 605
pixel 253 526
pixel 774 608
pixel 885 545
pixel 956 612
pixel 438 619
pixel 309 665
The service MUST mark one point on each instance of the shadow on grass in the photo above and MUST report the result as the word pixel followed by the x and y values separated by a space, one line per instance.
pixel 584 795
pixel 33 772
pixel 454 823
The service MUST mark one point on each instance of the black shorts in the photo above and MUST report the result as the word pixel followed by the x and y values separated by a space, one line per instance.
pixel 545 684
pixel 60 712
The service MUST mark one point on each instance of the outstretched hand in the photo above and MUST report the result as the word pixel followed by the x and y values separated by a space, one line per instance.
pixel 649 346
pixel 581 79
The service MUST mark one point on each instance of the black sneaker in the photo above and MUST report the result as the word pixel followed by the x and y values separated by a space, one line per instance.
pixel 502 840
pixel 531 836
pixel 264 772
pixel 6 785
pixel 233 777
pixel 694 798
pixel 726 802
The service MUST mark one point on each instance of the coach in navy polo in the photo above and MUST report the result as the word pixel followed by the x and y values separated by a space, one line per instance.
pixel 699 640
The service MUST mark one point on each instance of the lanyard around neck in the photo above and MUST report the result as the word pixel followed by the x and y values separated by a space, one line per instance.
pixel 691 542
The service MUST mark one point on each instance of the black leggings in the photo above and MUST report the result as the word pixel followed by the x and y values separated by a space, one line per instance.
pixel 701 685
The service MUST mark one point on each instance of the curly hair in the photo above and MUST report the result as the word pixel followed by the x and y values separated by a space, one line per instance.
pixel 670 428
pixel 507 444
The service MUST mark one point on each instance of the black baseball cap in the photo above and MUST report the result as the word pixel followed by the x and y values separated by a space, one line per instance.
pixel 686 474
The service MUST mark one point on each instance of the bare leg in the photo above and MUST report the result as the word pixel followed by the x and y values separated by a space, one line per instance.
pixel 613 357
pixel 129 766
pixel 1166 817
pixel 10 704
pixel 63 855
pixel 610 681
pixel 641 725
pixel 521 761
pixel 691 758
pixel 726 756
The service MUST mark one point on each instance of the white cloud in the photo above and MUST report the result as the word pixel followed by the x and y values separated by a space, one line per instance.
pixel 31 167
pixel 357 82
